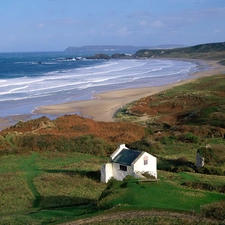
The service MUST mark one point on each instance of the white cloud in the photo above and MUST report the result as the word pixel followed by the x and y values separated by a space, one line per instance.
pixel 41 25
pixel 68 21
pixel 110 25
pixel 124 31
pixel 198 1
pixel 217 31
pixel 140 13
pixel 58 22
pixel 157 23
pixel 143 23
pixel 213 13
pixel 191 1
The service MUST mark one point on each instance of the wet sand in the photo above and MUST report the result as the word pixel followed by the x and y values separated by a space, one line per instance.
pixel 104 106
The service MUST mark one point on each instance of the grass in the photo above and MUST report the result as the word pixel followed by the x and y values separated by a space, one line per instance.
pixel 53 216
pixel 165 194
pixel 215 51
pixel 63 189
pixel 53 187
pixel 30 172
pixel 208 91
pixel 33 181
pixel 156 220
pixel 15 193
pixel 69 188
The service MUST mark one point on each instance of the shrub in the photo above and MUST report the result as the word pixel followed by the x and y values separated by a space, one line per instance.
pixel 148 131
pixel 147 145
pixel 92 145
pixel 48 142
pixel 206 112
pixel 189 138
pixel 204 186
pixel 214 155
pixel 215 210
pixel 211 170
pixel 181 161
pixel 168 140
pixel 178 169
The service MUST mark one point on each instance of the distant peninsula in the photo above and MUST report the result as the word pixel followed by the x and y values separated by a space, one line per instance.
pixel 116 48
pixel 208 51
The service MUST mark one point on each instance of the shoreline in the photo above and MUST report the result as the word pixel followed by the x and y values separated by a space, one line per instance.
pixel 103 106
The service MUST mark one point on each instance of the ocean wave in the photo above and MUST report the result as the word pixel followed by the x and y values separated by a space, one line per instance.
pixel 115 72
pixel 13 98
pixel 17 82
pixel 63 81
pixel 13 90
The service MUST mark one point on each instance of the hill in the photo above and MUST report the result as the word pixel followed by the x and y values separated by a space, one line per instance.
pixel 212 51
pixel 67 133
pixel 50 169
pixel 115 48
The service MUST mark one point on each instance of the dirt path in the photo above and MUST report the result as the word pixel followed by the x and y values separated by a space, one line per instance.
pixel 31 171
pixel 138 214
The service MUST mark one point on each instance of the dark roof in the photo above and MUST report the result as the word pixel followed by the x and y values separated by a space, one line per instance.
pixel 126 156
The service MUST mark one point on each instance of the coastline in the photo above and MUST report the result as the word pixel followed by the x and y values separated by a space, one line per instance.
pixel 104 105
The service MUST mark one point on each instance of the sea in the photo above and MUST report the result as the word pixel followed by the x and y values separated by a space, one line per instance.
pixel 30 80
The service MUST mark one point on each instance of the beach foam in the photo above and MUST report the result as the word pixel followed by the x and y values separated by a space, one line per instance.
pixel 60 81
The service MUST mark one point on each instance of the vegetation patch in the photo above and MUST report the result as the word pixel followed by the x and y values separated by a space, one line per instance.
pixel 15 193
pixel 161 195
pixel 51 169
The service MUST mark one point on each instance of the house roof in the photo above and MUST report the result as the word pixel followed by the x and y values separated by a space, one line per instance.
pixel 126 156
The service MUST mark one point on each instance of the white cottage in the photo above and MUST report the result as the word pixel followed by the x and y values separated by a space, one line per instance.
pixel 125 161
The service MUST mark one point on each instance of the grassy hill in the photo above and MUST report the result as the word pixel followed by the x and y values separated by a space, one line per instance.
pixel 50 169
pixel 212 51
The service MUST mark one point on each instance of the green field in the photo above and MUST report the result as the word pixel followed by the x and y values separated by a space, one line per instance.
pixel 53 187
pixel 34 182
pixel 49 186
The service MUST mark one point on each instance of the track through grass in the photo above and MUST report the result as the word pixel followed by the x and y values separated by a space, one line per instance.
pixel 31 171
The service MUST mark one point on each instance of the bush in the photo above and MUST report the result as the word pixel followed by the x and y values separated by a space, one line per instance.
pixel 93 145
pixel 214 155
pixel 211 170
pixel 189 138
pixel 84 144
pixel 178 169
pixel 181 161
pixel 148 131
pixel 206 112
pixel 168 140
pixel 215 210
pixel 204 186
pixel 147 145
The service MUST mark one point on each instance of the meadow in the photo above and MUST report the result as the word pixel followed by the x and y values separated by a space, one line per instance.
pixel 51 175
pixel 55 187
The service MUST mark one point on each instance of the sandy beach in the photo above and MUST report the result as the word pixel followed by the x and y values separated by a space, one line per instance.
pixel 103 106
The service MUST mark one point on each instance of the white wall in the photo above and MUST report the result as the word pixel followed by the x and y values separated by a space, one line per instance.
pixel 120 174
pixel 151 167
pixel 106 172
pixel 113 169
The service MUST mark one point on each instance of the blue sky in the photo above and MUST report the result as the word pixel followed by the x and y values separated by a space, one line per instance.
pixel 53 25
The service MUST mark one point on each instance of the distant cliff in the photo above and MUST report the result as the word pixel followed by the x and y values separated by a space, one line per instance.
pixel 214 51
pixel 105 48
pixel 115 48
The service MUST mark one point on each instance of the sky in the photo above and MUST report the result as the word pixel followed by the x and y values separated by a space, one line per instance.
pixel 54 25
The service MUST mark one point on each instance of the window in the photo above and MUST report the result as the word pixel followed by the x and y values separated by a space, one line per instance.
pixel 146 160
pixel 124 168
